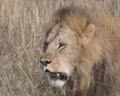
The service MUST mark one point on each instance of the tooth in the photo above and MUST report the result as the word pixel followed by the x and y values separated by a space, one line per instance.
pixel 58 74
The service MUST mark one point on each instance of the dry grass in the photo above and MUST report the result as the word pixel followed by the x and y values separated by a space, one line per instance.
pixel 21 38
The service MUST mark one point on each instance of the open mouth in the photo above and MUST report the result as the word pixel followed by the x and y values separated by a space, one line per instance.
pixel 57 76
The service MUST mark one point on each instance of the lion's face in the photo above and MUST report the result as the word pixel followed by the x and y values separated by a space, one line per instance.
pixel 59 54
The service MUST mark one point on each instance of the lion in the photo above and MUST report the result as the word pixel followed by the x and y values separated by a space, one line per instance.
pixel 81 56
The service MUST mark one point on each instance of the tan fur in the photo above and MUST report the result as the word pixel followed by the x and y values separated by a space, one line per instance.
pixel 91 55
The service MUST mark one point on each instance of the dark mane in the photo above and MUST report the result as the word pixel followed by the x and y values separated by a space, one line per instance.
pixel 75 18
pixel 105 77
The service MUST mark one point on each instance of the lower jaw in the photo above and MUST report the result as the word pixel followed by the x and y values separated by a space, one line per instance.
pixel 58 76
pixel 57 83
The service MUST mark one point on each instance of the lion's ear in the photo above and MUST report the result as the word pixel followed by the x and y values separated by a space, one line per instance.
pixel 88 33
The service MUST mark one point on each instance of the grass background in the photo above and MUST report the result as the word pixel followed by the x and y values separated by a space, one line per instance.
pixel 22 24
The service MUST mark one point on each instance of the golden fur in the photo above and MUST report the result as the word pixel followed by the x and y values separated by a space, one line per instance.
pixel 90 54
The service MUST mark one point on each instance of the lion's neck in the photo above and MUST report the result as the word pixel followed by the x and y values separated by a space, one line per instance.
pixel 100 85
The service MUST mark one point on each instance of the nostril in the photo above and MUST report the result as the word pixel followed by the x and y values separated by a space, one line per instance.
pixel 45 62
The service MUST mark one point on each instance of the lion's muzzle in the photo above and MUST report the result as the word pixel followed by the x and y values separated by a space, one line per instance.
pixel 53 75
pixel 56 75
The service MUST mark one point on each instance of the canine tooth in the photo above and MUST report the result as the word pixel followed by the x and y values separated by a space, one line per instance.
pixel 58 74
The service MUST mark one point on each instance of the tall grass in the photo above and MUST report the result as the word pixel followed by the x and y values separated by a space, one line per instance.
pixel 21 39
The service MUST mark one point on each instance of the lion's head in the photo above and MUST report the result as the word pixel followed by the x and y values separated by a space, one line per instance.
pixel 75 54
pixel 60 48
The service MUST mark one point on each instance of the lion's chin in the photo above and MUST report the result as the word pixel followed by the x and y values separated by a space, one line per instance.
pixel 57 83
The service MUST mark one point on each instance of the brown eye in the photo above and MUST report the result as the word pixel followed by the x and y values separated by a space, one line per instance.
pixel 46 44
pixel 61 46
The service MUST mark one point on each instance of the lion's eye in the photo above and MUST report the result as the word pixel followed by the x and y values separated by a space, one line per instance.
pixel 45 45
pixel 61 46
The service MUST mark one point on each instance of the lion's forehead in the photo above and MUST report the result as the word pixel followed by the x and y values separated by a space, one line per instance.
pixel 59 32
pixel 53 33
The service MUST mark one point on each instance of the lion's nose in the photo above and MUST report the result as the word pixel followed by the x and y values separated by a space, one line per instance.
pixel 45 62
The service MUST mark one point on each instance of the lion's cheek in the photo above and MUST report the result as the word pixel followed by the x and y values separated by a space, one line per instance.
pixel 65 65
pixel 66 69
